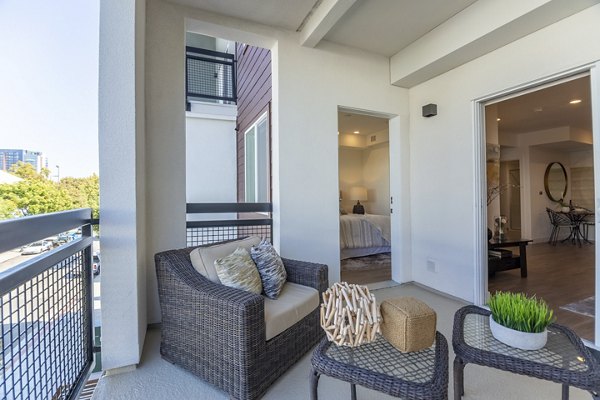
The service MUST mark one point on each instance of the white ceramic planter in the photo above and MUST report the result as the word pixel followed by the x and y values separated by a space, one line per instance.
pixel 518 339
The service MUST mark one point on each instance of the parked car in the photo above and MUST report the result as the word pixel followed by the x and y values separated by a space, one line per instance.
pixel 53 241
pixel 62 238
pixel 37 247
pixel 96 264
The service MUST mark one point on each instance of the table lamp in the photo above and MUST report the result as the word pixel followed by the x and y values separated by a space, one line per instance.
pixel 358 193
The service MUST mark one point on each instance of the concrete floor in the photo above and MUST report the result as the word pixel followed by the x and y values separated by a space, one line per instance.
pixel 157 379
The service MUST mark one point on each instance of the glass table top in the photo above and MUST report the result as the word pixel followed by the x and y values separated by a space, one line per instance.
pixel 559 352
pixel 381 357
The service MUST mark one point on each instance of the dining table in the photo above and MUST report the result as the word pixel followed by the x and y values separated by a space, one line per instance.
pixel 577 216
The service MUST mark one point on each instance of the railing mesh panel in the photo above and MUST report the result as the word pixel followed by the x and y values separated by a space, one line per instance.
pixel 208 235
pixel 212 79
pixel 45 332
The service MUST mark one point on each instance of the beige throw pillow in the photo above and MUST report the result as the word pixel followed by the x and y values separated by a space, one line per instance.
pixel 203 257
pixel 237 270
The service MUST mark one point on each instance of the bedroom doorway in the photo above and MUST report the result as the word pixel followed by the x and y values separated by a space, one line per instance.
pixel 364 198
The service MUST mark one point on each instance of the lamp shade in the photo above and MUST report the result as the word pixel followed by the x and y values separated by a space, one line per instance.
pixel 358 193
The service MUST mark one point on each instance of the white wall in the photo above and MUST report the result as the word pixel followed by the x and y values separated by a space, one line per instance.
pixel 308 138
pixel 165 138
pixel 351 174
pixel 123 183
pixel 304 138
pixel 211 155
pixel 442 148
pixel 368 167
pixel 376 178
pixel 539 159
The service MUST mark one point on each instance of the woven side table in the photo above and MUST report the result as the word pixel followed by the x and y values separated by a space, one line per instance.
pixel 564 359
pixel 421 375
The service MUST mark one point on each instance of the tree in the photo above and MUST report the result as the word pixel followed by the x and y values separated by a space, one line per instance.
pixel 36 194
pixel 84 192
pixel 27 171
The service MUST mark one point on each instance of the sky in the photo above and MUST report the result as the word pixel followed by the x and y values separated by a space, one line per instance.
pixel 49 81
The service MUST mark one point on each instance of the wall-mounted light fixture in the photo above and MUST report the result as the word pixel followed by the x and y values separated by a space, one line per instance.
pixel 430 110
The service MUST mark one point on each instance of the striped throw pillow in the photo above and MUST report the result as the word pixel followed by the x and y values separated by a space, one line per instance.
pixel 270 267
pixel 237 270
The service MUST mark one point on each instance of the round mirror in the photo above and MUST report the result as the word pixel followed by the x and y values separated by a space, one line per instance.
pixel 555 181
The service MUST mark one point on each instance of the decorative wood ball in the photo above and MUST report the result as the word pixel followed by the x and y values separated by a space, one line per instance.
pixel 349 314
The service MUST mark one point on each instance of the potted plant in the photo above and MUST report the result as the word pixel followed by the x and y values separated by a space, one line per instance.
pixel 520 321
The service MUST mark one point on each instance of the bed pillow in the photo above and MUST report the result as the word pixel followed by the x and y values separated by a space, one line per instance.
pixel 237 270
pixel 270 267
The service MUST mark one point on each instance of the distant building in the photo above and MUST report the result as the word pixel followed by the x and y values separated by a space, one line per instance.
pixel 8 157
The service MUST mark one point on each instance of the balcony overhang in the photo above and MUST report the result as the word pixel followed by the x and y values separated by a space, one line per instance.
pixel 477 30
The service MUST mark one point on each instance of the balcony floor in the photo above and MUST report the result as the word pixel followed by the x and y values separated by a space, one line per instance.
pixel 157 379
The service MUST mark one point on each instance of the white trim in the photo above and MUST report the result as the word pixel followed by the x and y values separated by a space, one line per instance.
pixel 191 114
pixel 534 85
pixel 480 228
pixel 595 106
pixel 480 211
pixel 254 126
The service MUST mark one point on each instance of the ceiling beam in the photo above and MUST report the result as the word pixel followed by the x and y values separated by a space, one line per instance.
pixel 477 30
pixel 322 19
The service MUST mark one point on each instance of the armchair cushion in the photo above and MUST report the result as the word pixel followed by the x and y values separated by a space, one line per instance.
pixel 203 258
pixel 237 270
pixel 293 304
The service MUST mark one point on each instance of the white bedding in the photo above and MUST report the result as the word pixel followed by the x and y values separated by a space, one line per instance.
pixel 369 230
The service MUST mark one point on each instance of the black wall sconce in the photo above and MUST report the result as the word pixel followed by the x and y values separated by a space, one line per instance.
pixel 430 110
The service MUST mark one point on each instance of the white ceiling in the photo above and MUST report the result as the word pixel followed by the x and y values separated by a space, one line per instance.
pixel 348 123
pixel 548 108
pixel 377 26
pixel 387 26
pixel 287 14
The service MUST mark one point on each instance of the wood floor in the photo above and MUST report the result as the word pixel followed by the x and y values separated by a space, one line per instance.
pixel 560 275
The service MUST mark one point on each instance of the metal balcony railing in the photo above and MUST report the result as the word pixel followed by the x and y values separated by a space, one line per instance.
pixel 46 309
pixel 234 221
pixel 209 75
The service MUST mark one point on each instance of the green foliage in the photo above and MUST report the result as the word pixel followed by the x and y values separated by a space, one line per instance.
pixel 519 312
pixel 25 171
pixel 84 192
pixel 36 194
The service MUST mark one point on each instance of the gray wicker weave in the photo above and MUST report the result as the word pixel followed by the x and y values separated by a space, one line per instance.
pixel 564 359
pixel 421 375
pixel 218 333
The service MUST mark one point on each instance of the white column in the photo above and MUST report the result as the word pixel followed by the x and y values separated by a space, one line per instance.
pixel 122 204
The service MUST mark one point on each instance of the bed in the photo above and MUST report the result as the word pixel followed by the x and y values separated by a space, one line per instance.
pixel 364 235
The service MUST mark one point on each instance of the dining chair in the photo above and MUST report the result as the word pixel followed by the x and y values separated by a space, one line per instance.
pixel 558 221
pixel 588 220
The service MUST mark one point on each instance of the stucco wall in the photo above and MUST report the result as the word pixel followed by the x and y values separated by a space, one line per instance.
pixel 210 154
pixel 305 171
pixel 442 147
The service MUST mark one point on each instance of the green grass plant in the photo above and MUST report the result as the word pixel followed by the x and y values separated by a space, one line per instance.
pixel 519 312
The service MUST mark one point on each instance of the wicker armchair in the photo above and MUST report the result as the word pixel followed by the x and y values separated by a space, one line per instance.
pixel 218 333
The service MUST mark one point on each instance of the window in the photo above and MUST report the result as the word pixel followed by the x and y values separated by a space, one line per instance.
pixel 256 142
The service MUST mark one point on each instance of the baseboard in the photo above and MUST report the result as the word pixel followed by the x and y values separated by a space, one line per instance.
pixel 120 370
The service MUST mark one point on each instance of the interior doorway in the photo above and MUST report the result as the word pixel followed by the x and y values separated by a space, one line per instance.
pixel 532 131
pixel 364 197
pixel 510 200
